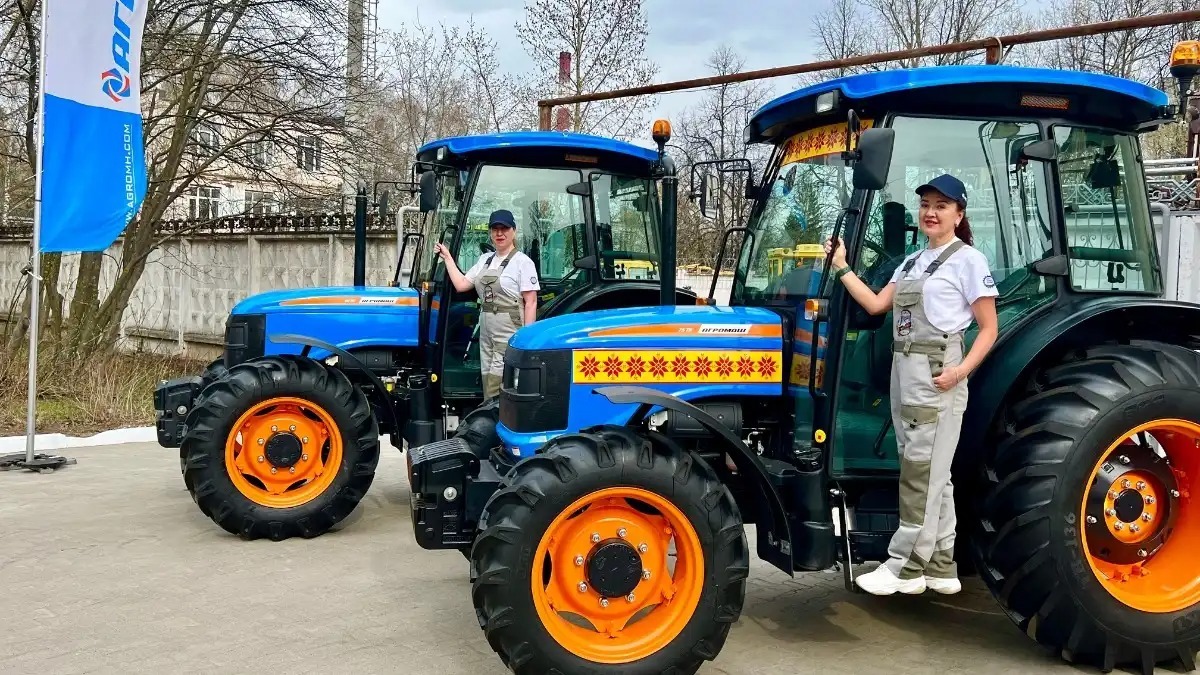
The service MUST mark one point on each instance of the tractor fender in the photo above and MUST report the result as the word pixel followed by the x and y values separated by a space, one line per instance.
pixel 310 342
pixel 774 535
pixel 1045 335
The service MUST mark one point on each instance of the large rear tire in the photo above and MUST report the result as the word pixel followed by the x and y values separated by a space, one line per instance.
pixel 1089 525
pixel 585 529
pixel 280 447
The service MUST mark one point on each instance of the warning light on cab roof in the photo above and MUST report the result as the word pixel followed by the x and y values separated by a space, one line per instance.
pixel 661 131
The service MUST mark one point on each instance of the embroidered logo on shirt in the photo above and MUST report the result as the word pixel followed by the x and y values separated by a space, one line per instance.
pixel 988 281
pixel 533 280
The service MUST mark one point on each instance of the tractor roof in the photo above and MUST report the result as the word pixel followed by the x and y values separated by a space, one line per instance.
pixel 967 91
pixel 543 148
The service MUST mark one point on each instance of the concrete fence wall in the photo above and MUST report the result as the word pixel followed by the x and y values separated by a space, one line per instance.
pixel 190 285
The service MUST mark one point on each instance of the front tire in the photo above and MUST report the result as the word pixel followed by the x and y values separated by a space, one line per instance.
pixel 585 528
pixel 1088 532
pixel 280 447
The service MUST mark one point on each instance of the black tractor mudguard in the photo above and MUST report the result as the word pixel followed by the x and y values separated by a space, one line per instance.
pixel 384 400
pixel 774 533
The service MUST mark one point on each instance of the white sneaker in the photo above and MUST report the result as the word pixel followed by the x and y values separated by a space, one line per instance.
pixel 881 581
pixel 944 586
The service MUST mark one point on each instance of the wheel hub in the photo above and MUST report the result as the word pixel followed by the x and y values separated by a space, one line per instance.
pixel 284 450
pixel 614 568
pixel 1129 505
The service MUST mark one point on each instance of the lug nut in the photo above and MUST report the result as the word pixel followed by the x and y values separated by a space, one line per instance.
pixel 1118 526
pixel 274 428
pixel 630 598
pixel 292 470
pixel 1113 493
pixel 579 561
pixel 1149 500
pixel 1147 517
pixel 262 441
pixel 292 428
pixel 1124 459
pixel 642 548
pixel 304 458
pixel 1110 512
pixel 261 458
pixel 274 470
pixel 582 587
pixel 1134 528
pixel 645 574
pixel 304 440
pixel 622 532
pixel 1175 494
pixel 1091 520
pixel 1141 485
pixel 604 602
pixel 1126 484
pixel 1142 553
pixel 595 538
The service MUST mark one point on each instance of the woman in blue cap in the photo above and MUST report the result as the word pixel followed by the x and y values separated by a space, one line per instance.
pixel 934 295
pixel 507 284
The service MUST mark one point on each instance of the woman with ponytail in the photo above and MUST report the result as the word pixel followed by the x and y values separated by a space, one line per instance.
pixel 934 296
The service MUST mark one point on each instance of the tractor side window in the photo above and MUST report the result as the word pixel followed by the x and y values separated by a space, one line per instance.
pixel 1106 212
pixel 626 227
pixel 437 226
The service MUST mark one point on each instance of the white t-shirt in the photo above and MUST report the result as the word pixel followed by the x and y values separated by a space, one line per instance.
pixel 520 275
pixel 949 292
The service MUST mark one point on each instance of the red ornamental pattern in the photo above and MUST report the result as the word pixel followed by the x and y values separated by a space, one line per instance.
pixel 677 366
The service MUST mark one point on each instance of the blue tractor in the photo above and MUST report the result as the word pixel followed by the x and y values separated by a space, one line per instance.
pixel 607 533
pixel 280 437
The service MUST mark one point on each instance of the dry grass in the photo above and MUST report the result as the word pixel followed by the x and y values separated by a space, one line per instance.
pixel 85 396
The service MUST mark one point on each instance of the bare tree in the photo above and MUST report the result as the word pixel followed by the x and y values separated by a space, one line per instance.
pixel 227 84
pixel 712 130
pixel 607 43
pixel 849 28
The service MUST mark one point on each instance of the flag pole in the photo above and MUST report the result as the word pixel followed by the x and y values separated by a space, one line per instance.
pixel 35 278
pixel 31 460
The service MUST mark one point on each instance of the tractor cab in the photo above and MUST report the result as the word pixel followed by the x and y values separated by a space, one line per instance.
pixel 588 212
pixel 1057 203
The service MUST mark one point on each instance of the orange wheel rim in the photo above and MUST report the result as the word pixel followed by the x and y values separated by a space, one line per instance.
pixel 599 542
pixel 1141 529
pixel 283 452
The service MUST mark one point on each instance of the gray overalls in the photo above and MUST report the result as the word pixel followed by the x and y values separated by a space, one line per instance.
pixel 927 423
pixel 499 317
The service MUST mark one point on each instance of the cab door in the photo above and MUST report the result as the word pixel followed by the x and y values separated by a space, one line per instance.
pixel 1009 215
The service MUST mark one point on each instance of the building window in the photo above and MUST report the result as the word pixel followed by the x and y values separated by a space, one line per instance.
pixel 260 203
pixel 204 141
pixel 204 202
pixel 308 153
pixel 258 152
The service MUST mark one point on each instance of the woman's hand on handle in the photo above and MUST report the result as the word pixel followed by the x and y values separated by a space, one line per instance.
pixel 874 303
pixel 461 283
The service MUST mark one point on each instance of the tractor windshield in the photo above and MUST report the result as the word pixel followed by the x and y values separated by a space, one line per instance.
pixel 552 222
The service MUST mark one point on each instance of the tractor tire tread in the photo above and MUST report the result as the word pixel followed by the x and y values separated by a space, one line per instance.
pixel 573 465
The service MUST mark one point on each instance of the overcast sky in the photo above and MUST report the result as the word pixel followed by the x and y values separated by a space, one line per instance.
pixel 682 34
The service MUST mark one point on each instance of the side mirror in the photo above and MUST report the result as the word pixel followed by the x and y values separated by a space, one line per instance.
pixel 383 205
pixel 1040 151
pixel 708 186
pixel 874 158
pixel 583 189
pixel 429 198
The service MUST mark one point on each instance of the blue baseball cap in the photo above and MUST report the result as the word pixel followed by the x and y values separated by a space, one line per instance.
pixel 949 186
pixel 502 217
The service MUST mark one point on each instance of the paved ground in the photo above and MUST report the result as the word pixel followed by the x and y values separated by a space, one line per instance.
pixel 108 566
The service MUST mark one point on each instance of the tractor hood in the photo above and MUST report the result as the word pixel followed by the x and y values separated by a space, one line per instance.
pixel 656 328
pixel 358 300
